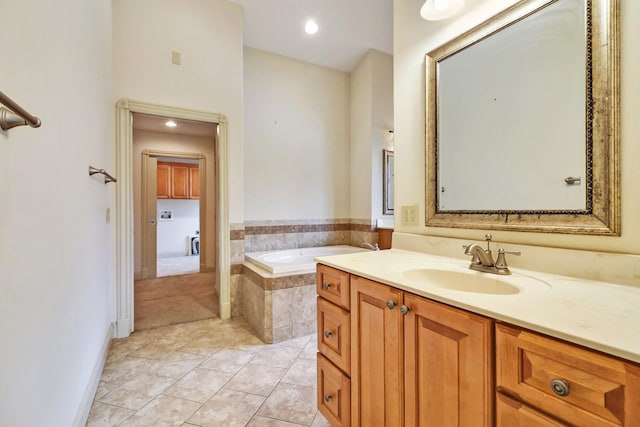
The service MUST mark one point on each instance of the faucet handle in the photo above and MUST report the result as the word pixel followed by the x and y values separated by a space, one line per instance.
pixel 488 238
pixel 501 261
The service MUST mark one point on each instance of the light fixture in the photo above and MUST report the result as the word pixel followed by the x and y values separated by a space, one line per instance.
pixel 170 123
pixel 311 27
pixel 436 10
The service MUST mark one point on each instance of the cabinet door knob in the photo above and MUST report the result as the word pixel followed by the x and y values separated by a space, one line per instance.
pixel 391 304
pixel 404 309
pixel 327 334
pixel 560 387
pixel 326 285
pixel 327 397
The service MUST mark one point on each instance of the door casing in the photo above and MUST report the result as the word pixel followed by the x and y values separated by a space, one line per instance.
pixel 124 206
pixel 149 229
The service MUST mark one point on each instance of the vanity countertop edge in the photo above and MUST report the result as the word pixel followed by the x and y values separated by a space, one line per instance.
pixel 598 315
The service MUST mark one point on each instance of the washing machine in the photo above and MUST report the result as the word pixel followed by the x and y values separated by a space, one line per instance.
pixel 195 245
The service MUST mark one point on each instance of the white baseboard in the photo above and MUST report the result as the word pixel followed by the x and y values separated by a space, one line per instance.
pixel 89 394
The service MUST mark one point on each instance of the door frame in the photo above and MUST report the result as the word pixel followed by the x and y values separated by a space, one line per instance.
pixel 149 232
pixel 124 206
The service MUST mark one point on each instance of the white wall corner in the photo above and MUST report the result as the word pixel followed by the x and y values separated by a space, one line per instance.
pixel 82 415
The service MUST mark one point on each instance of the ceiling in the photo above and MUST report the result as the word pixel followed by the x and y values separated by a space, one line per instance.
pixel 184 127
pixel 348 28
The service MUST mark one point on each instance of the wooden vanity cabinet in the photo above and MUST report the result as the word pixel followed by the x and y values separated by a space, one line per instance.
pixel 543 381
pixel 334 345
pixel 414 362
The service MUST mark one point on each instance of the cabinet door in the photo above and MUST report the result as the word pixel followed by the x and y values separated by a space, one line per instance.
pixel 448 366
pixel 164 183
pixel 180 182
pixel 194 183
pixel 376 354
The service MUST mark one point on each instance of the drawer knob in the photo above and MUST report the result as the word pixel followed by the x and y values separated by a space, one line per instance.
pixel 326 285
pixel 404 309
pixel 327 334
pixel 327 397
pixel 560 387
pixel 391 304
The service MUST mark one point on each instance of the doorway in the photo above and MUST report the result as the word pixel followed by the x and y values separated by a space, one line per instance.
pixel 178 219
pixel 172 209
pixel 219 231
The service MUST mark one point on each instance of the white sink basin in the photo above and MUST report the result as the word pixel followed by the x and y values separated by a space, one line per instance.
pixel 464 280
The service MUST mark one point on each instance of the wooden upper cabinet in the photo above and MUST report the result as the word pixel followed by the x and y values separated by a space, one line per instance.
pixel 164 181
pixel 376 355
pixel 178 181
pixel 194 182
pixel 448 365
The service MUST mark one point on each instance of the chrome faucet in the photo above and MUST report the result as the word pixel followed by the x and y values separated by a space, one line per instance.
pixel 370 246
pixel 482 259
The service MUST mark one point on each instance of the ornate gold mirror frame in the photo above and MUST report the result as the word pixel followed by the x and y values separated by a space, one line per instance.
pixel 602 213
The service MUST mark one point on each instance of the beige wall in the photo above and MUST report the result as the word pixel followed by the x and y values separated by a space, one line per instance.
pixel 371 95
pixel 413 37
pixel 208 35
pixel 296 161
pixel 57 293
pixel 174 143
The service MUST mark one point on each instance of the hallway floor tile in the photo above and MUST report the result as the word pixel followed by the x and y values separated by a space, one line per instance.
pixel 207 373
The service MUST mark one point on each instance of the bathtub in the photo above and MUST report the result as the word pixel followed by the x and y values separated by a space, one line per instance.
pixel 296 260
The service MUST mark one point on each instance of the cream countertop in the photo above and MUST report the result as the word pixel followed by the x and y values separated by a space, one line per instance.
pixel 598 315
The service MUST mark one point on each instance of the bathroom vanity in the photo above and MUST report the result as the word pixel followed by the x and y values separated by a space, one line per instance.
pixel 410 339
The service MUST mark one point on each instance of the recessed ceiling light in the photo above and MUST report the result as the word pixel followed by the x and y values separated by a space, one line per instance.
pixel 435 10
pixel 170 123
pixel 311 27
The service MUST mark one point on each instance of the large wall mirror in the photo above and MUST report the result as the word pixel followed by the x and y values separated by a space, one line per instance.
pixel 522 121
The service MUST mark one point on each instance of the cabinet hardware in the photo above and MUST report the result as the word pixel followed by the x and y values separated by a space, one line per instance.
pixel 404 309
pixel 560 387
pixel 391 304
pixel 327 397
pixel 327 334
pixel 326 285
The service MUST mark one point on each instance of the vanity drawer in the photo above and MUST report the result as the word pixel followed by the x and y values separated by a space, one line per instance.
pixel 334 393
pixel 511 413
pixel 334 334
pixel 333 285
pixel 573 384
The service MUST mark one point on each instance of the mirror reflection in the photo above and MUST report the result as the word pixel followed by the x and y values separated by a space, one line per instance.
pixel 511 116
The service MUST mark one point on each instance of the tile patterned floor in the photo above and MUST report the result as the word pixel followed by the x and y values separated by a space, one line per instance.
pixel 209 373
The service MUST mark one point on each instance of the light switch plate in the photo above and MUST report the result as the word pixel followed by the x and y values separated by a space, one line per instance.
pixel 409 215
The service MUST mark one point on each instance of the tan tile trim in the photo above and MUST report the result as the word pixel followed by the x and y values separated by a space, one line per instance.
pixel 279 283
pixel 306 228
pixel 236 269
pixel 237 234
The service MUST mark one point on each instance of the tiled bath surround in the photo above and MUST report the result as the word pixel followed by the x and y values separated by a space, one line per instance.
pixel 279 308
pixel 276 235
